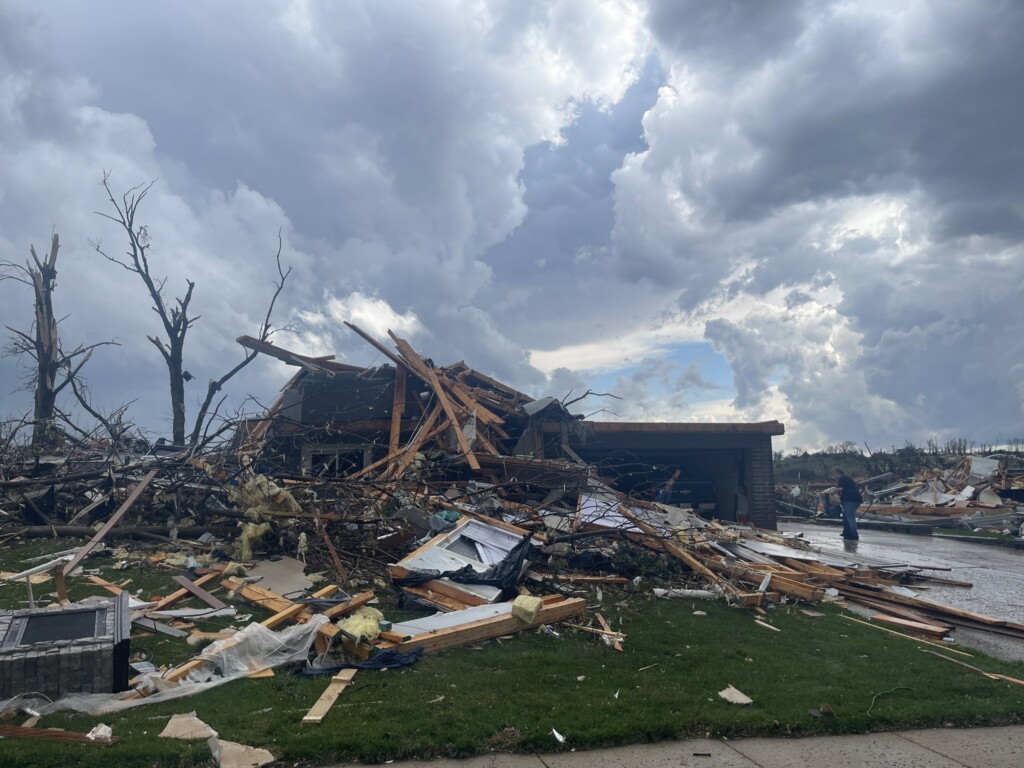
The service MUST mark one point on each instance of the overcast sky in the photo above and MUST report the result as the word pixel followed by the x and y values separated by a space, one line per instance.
pixel 718 211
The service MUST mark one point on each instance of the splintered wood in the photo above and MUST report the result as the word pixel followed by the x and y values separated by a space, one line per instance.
pixel 461 408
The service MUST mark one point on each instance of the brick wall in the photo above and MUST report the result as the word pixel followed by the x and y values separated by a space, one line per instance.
pixel 762 484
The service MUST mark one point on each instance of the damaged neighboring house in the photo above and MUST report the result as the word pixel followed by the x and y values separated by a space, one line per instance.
pixel 395 420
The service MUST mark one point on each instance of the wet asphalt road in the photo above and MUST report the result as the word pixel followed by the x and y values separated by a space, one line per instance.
pixel 997 574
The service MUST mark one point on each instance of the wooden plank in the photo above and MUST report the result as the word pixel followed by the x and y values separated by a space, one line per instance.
pixel 344 609
pixel 114 519
pixel 594 630
pixel 322 363
pixel 421 435
pixel 426 432
pixel 592 579
pixel 932 630
pixel 380 347
pixel 471 405
pixel 496 523
pixel 338 565
pixel 436 599
pixel 787 585
pixel 818 569
pixel 607 628
pixel 100 582
pixel 198 591
pixel 797 589
pixel 271 601
pixel 397 409
pixel 330 695
pixel 48 734
pixel 201 635
pixel 874 581
pixel 262 597
pixel 441 586
pixel 755 599
pixel 60 582
pixel 486 629
pixel 393 637
pixel 257 595
pixel 983 673
pixel 938 610
pixel 890 608
pixel 328 631
pixel 905 636
pixel 485 442
pixel 294 610
pixel 183 593
pixel 435 384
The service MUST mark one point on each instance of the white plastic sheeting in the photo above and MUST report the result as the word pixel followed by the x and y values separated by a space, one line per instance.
pixel 249 650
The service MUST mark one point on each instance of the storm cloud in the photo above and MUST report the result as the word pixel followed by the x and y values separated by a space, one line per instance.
pixel 732 210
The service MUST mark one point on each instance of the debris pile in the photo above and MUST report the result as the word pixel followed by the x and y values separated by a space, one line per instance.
pixel 479 511
pixel 974 483
pixel 977 493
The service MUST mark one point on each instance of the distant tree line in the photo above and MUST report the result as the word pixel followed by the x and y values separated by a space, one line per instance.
pixel 798 464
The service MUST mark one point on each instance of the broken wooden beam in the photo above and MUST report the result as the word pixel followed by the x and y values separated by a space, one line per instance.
pixel 114 519
pixel 487 629
pixel 183 593
pixel 430 376
pixel 198 591
pixel 608 630
pixel 323 705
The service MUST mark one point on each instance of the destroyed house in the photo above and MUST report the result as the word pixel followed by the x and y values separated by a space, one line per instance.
pixel 412 419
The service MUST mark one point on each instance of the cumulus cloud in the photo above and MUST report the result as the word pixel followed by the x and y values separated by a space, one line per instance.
pixel 850 170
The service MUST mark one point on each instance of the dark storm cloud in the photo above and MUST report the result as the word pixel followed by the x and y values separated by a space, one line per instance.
pixel 830 191
pixel 728 35
pixel 844 183
pixel 385 141
pixel 856 104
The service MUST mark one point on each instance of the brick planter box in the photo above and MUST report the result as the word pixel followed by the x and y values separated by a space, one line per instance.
pixel 75 649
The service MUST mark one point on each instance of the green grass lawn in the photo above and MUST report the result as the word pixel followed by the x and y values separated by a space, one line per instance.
pixel 969 534
pixel 508 695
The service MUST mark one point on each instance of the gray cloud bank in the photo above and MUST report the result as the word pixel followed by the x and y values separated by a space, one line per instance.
pixel 828 194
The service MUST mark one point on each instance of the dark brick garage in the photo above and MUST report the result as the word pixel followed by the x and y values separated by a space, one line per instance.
pixel 727 467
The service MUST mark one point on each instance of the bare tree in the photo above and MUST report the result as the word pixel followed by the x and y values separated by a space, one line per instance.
pixel 54 369
pixel 215 386
pixel 174 317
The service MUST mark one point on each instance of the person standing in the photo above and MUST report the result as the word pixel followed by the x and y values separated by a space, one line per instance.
pixel 850 498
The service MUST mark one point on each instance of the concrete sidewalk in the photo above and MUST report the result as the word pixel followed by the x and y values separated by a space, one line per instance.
pixel 940 748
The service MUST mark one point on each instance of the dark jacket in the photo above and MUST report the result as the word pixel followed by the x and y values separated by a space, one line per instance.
pixel 848 490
